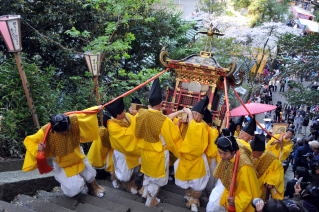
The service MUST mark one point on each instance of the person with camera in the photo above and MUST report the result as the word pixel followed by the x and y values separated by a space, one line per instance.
pixel 301 154
pixel 308 197
pixel 314 145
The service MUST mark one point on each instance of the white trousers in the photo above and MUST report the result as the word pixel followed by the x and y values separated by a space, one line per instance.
pixel 71 186
pixel 196 184
pixel 122 172
pixel 213 204
pixel 151 185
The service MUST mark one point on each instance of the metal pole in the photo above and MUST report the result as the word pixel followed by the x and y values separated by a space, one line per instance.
pixel 26 89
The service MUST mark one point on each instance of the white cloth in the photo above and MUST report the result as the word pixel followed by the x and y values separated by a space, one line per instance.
pixel 196 184
pixel 71 186
pixel 212 181
pixel 213 204
pixel 151 185
pixel 122 172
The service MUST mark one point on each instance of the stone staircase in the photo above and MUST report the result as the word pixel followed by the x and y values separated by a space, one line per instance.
pixel 42 193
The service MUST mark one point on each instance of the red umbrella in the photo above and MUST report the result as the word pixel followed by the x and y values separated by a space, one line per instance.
pixel 254 108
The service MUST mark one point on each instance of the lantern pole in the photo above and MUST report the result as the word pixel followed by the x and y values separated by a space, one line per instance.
pixel 10 31
pixel 93 61
pixel 25 86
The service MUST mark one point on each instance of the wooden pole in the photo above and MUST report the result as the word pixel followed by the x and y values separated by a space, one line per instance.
pixel 96 89
pixel 26 89
pixel 97 96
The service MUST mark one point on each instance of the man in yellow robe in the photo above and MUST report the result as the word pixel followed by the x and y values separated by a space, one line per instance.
pixel 126 154
pixel 246 183
pixel 191 168
pixel 156 135
pixel 70 166
pixel 281 145
pixel 270 171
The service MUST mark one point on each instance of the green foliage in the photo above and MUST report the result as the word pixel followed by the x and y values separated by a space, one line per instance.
pixel 302 96
pixel 316 13
pixel 213 7
pixel 241 3
pixel 50 95
pixel 56 33
pixel 299 54
pixel 126 81
pixel 266 10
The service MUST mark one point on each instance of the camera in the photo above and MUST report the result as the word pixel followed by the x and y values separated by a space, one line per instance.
pixel 255 201
pixel 308 155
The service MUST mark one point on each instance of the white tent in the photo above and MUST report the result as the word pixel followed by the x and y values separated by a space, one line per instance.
pixel 310 26
pixel 302 13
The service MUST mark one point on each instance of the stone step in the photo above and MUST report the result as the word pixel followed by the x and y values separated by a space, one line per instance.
pixel 38 205
pixel 13 183
pixel 8 207
pixel 34 191
pixel 57 197
pixel 10 164
pixel 170 201
pixel 115 200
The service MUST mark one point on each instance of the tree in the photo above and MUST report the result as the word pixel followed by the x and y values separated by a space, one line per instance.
pixel 267 10
pixel 298 56
pixel 56 33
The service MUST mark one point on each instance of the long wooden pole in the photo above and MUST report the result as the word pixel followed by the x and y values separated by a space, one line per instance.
pixel 26 89
pixel 137 87
pixel 226 102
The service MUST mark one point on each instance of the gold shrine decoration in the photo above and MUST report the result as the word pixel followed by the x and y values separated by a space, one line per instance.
pixel 203 74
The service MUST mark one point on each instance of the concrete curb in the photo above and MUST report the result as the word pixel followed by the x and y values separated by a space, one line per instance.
pixel 13 183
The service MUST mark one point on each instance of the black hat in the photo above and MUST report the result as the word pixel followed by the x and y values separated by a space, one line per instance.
pixel 155 96
pixel 208 116
pixel 225 132
pixel 232 126
pixel 136 100
pixel 201 106
pixel 116 107
pixel 240 120
pixel 60 122
pixel 258 144
pixel 250 128
pixel 227 144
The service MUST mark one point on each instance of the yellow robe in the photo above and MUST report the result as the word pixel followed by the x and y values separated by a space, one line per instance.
pixel 244 145
pixel 281 151
pixel 152 154
pixel 101 155
pixel 212 150
pixel 273 175
pixel 191 165
pixel 246 190
pixel 123 140
pixel 88 126
pixel 236 133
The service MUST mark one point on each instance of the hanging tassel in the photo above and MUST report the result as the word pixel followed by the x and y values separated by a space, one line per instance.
pixel 42 162
pixel 231 208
